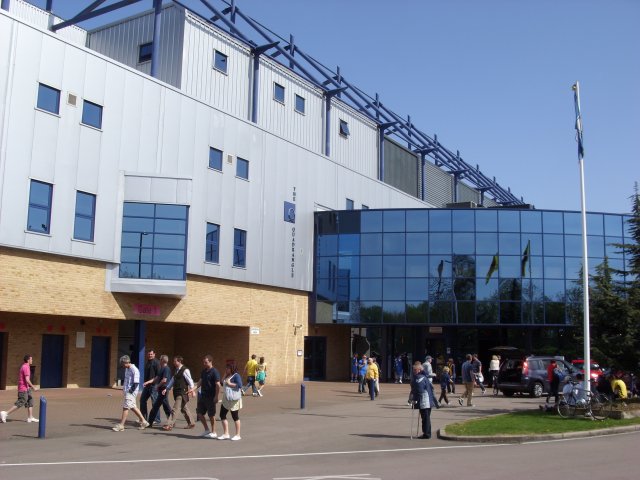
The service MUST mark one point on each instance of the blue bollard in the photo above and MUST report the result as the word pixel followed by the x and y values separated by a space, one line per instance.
pixel 42 426
pixel 302 395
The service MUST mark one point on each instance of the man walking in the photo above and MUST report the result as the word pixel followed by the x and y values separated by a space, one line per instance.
pixel 130 392
pixel 425 400
pixel 428 369
pixel 371 377
pixel 468 378
pixel 477 372
pixel 250 372
pixel 149 387
pixel 181 383
pixel 209 385
pixel 162 400
pixel 25 387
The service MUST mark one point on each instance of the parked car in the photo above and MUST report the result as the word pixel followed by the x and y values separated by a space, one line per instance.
pixel 529 375
pixel 596 370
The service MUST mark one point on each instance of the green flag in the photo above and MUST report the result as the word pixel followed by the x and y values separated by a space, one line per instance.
pixel 525 259
pixel 492 268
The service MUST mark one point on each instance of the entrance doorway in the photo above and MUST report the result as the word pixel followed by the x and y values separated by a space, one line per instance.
pixel 315 358
pixel 100 350
pixel 52 362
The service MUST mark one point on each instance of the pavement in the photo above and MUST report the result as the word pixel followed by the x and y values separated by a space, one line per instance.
pixel 335 419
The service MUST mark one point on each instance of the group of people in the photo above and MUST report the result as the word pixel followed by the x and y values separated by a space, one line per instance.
pixel 158 381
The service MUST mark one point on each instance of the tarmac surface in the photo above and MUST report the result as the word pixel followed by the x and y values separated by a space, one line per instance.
pixel 336 420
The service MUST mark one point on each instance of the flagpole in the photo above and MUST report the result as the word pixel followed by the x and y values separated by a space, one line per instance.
pixel 585 264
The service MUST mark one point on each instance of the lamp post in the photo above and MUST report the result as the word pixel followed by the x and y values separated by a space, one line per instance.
pixel 140 254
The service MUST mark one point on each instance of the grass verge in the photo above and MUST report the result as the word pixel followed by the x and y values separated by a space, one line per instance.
pixel 531 423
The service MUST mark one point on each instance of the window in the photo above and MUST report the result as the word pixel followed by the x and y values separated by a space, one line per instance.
pixel 349 204
pixel 92 114
pixel 144 52
pixel 220 61
pixel 39 207
pixel 365 207
pixel 215 158
pixel 242 168
pixel 212 253
pixel 344 128
pixel 84 223
pixel 239 248
pixel 154 241
pixel 48 99
pixel 300 104
pixel 278 92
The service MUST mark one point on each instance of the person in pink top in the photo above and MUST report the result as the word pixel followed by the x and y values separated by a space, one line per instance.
pixel 25 388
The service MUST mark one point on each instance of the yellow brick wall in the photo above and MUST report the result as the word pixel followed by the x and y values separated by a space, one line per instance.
pixel 60 290
pixel 338 350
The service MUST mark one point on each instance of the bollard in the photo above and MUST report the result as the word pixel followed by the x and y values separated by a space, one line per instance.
pixel 42 426
pixel 302 395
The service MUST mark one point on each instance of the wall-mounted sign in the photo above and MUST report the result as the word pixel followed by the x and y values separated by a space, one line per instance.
pixel 254 331
pixel 142 309
pixel 289 212
pixel 435 329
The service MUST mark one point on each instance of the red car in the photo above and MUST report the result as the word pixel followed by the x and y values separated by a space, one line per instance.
pixel 596 371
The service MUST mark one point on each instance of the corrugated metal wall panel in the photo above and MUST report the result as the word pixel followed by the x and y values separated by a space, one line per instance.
pixel 229 92
pixel 40 18
pixel 438 185
pixel 358 151
pixel 122 41
pixel 282 119
pixel 489 202
pixel 467 194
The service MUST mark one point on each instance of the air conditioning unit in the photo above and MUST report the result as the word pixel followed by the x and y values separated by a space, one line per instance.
pixel 462 205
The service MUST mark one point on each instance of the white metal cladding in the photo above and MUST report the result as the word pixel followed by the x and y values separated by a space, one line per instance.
pixel 121 41
pixel 282 118
pixel 40 18
pixel 227 91
pixel 154 143
pixel 438 185
pixel 489 202
pixel 359 150
pixel 467 194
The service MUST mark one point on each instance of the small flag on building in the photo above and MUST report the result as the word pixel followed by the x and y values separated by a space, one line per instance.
pixel 525 259
pixel 492 268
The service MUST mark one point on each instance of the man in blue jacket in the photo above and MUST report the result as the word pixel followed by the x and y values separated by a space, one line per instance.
pixel 422 394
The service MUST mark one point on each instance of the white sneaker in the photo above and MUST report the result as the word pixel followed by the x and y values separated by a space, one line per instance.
pixel 32 419
pixel 206 433
pixel 224 436
pixel 212 435
pixel 236 437
pixel 259 393
pixel 3 416
pixel 118 428
pixel 143 425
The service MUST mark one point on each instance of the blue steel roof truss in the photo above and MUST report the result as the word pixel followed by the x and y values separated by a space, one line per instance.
pixel 332 84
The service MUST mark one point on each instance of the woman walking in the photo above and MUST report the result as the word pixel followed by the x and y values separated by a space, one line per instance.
pixel 231 401
pixel 494 368
pixel 445 381
pixel 261 375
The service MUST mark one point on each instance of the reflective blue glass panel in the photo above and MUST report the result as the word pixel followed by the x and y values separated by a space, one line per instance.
pixel 440 266
pixel 371 221
pixel 131 209
pixel 239 248
pixel 510 289
pixel 463 243
pixel 171 211
pixel 327 245
pixel 393 266
pixel 611 250
pixel 371 289
pixel 371 266
pixel 242 168
pixel 172 257
pixel 417 312
pixel 509 244
pixel 417 220
pixel 533 290
pixel 212 240
pixel 534 240
pixel 417 266
pixel 393 244
pixel 440 242
pixel 573 266
pixel 464 266
pixel 371 312
pixel 349 244
pixel 552 222
pixel 393 289
pixel 167 272
pixel 393 312
pixel 486 221
pixel 417 243
pixel 85 216
pixel 510 313
pixel 483 266
pixel 371 244
pixel 554 313
pixel 48 99
pixel 440 312
pixel 487 290
pixel 215 158
pixel 39 215
pixel 278 92
pixel 169 226
pixel 349 266
pixel 531 221
pixel 533 313
pixel 440 220
pixel 487 312
pixel 572 223
pixel 326 267
pixel 393 221
pixel 220 61
pixel 463 221
pixel 92 114
pixel 553 244
pixel 464 312
pixel 510 266
pixel 573 245
pixel 487 243
pixel 595 224
pixel 595 246
pixel 300 104
pixel 464 289
pixel 509 221
pixel 417 289
pixel 554 267
pixel 554 290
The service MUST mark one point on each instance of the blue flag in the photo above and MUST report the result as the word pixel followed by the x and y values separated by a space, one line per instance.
pixel 576 101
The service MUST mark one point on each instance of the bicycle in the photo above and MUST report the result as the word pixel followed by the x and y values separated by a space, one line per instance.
pixel 594 405
pixel 494 383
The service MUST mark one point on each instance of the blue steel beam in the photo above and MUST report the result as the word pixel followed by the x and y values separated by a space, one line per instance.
pixel 91 12
pixel 257 51
pixel 155 45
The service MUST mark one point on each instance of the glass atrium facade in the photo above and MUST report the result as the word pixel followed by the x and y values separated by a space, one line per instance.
pixel 466 267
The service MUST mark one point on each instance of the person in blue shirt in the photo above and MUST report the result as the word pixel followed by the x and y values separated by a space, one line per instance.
pixel 425 400
pixel 362 371
pixel 397 366
pixel 354 368
pixel 445 381
pixel 469 380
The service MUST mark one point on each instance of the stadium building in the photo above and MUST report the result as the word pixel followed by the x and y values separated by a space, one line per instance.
pixel 190 182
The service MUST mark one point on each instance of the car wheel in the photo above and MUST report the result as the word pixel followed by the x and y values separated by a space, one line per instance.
pixel 537 390
pixel 507 393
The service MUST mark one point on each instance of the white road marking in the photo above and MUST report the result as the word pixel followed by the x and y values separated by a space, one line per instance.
pixel 352 476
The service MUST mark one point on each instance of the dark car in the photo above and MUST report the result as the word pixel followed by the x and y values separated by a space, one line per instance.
pixel 529 375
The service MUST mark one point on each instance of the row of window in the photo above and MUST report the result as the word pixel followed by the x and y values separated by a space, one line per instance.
pixel 39 215
pixel 215 163
pixel 350 205
pixel 49 101
pixel 212 245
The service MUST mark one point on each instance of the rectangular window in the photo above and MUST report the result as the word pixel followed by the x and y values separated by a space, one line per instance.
pixel 92 114
pixel 349 204
pixel 278 92
pixel 154 241
pixel 239 248
pixel 215 158
pixel 48 99
pixel 39 207
pixel 144 52
pixel 84 223
pixel 242 168
pixel 344 128
pixel 212 253
pixel 300 104
pixel 220 61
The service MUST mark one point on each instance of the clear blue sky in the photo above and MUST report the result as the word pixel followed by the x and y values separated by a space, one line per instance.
pixel 492 78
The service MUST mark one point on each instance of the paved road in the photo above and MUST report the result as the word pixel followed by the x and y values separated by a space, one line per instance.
pixel 339 435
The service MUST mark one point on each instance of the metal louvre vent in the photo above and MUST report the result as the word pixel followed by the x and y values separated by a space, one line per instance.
pixel 229 159
pixel 72 99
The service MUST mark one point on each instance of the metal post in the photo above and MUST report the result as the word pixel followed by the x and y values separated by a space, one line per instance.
pixel 422 163
pixel 327 125
pixel 42 426
pixel 302 396
pixel 256 84
pixel 585 264
pixel 155 46
pixel 381 146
